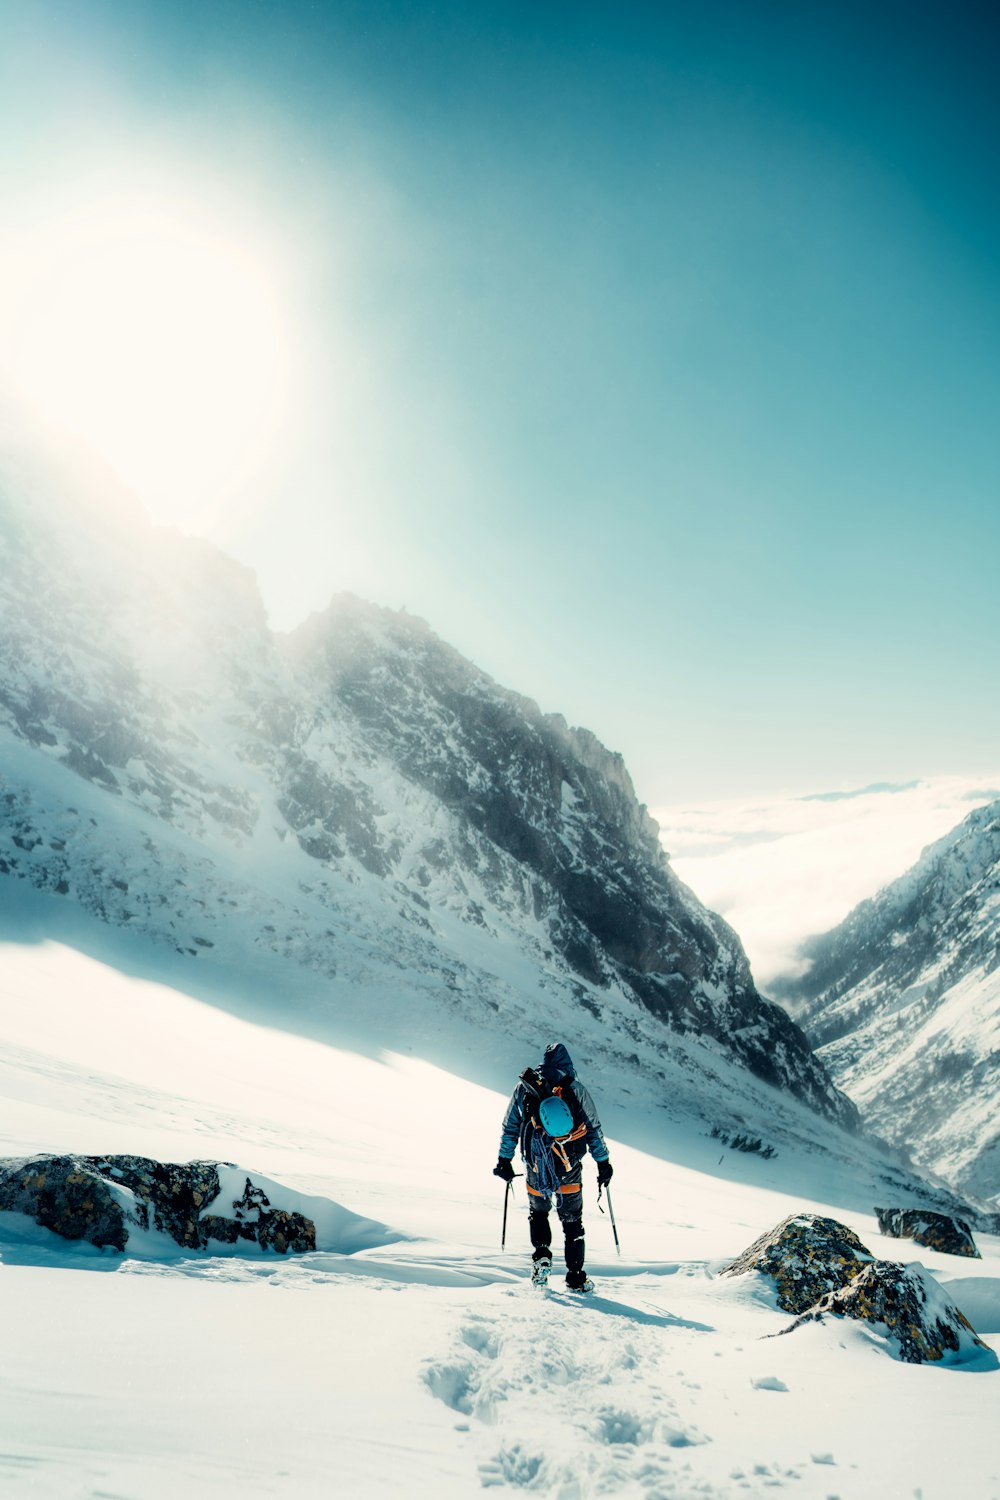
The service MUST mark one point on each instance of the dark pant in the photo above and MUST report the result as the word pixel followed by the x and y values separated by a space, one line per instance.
pixel 569 1207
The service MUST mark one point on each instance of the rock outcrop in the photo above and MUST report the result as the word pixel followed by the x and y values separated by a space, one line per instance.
pixel 907 1307
pixel 101 1199
pixel 64 1194
pixel 254 1218
pixel 935 1231
pixel 805 1256
pixel 820 1267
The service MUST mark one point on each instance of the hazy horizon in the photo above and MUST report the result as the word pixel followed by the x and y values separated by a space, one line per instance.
pixel 783 868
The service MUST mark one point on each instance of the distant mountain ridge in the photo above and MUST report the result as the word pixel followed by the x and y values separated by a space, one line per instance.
pixel 356 798
pixel 902 1000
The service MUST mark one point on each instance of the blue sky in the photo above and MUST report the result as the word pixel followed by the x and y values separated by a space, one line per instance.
pixel 652 353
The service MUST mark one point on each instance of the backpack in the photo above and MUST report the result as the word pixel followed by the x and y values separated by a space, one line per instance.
pixel 555 1104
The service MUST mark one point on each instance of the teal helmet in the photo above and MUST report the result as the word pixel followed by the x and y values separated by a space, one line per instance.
pixel 556 1116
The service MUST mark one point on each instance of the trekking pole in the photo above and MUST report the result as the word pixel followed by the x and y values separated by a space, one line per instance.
pixel 611 1213
pixel 506 1200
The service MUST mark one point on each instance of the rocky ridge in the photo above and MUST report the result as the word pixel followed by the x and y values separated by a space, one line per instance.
pixel 356 798
pixel 902 1001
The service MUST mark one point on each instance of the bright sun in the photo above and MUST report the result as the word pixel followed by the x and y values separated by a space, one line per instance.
pixel 160 344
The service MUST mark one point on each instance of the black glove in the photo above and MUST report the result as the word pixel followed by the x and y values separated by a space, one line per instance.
pixel 605 1172
pixel 504 1169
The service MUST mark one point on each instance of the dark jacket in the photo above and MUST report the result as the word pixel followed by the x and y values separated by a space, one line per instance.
pixel 518 1124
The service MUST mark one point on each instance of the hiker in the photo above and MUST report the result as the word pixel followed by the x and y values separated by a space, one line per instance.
pixel 552 1117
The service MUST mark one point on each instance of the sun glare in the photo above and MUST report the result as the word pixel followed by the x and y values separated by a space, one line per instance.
pixel 160 344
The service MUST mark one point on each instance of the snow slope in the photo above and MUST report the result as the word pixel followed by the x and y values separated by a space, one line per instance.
pixel 426 1367
pixel 903 1002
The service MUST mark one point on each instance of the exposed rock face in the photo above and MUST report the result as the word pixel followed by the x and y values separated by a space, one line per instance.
pixel 903 1002
pixel 356 799
pixel 63 1194
pixel 99 1199
pixel 936 1231
pixel 255 1219
pixel 821 1267
pixel 806 1256
pixel 546 818
pixel 907 1306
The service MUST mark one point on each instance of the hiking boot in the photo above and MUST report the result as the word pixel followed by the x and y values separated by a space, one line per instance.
pixel 541 1266
pixel 579 1281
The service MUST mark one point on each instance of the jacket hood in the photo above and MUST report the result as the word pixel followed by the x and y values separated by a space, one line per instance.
pixel 557 1064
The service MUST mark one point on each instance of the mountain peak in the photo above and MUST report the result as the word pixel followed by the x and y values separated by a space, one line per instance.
pixel 384 812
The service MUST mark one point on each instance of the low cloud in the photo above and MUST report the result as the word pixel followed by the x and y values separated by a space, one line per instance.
pixel 783 869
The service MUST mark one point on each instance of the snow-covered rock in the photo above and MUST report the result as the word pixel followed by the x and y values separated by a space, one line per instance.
pixel 64 1194
pixel 815 1266
pixel 356 802
pixel 936 1231
pixel 805 1257
pixel 902 1001
pixel 133 1202
pixel 906 1307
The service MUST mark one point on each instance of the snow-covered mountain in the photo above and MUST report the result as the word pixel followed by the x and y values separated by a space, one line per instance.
pixel 353 836
pixel 903 1002
pixel 355 809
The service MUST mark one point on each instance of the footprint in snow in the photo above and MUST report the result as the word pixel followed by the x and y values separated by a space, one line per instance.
pixel 617 1426
pixel 511 1466
pixel 454 1384
pixel 481 1338
pixel 569 1409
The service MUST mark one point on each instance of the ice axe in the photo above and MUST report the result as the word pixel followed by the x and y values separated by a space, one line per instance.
pixel 506 1200
pixel 611 1213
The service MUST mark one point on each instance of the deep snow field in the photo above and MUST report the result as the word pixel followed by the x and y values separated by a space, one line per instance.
pixel 419 1361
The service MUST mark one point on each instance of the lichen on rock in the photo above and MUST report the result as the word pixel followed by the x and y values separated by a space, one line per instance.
pixel 933 1230
pixel 806 1256
pixel 99 1199
pixel 61 1194
pixel 907 1306
pixel 820 1267
pixel 255 1219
